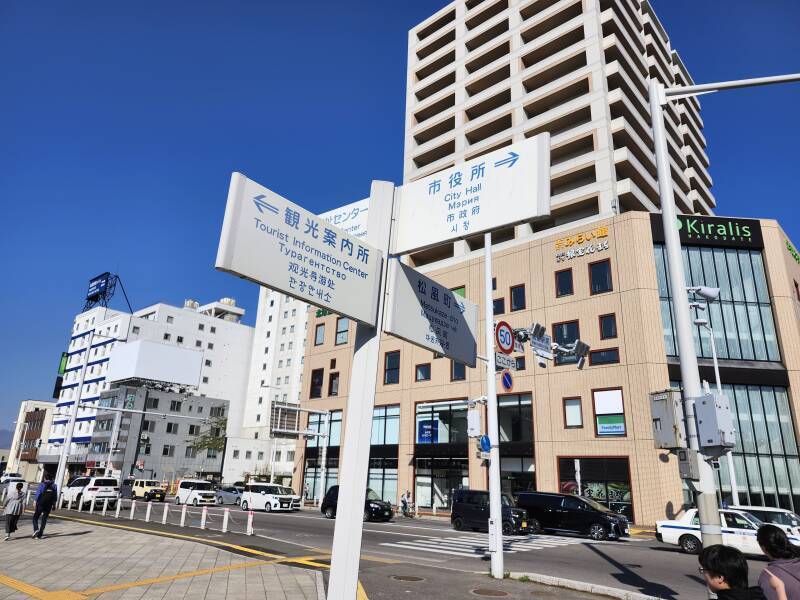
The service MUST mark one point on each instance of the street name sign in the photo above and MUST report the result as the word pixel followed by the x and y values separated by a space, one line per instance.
pixel 543 347
pixel 504 361
pixel 272 241
pixel 427 314
pixel 509 185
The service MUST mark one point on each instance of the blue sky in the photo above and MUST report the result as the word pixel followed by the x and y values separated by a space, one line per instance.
pixel 121 122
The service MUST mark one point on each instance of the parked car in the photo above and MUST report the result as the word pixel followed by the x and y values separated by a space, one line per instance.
pixel 470 510
pixel 785 519
pixel 147 490
pixel 228 495
pixel 126 487
pixel 9 485
pixel 85 491
pixel 738 530
pixel 374 508
pixel 266 497
pixel 567 513
pixel 239 485
pixel 297 501
pixel 195 492
pixel 8 475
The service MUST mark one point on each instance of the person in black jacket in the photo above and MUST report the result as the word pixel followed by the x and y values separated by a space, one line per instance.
pixel 725 571
pixel 46 499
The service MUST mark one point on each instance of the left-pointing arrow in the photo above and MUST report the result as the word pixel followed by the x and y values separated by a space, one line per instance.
pixel 261 205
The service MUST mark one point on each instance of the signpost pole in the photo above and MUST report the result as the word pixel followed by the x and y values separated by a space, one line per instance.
pixel 323 472
pixel 495 508
pixel 346 551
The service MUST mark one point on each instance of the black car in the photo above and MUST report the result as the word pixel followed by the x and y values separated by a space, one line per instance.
pixel 375 509
pixel 471 511
pixel 572 514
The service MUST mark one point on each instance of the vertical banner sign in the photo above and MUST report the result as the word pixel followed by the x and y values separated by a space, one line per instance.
pixel 500 188
pixel 429 315
pixel 269 240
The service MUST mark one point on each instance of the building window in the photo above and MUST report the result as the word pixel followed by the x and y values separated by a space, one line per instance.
pixel 600 277
pixel 342 325
pixel 515 418
pixel 248 454
pixel 385 425
pixel 517 295
pixel 573 413
pixel 260 456
pixel 458 371
pixel 441 422
pixel 180 339
pixel 207 363
pixel 149 426
pixel 168 450
pixel 564 285
pixel 520 360
pixel 319 334
pixel 166 339
pixel 290 456
pixel 213 329
pixel 205 379
pixel 315 424
pixel 391 367
pixel 192 453
pixel 796 291
pixel 608 356
pixel 135 329
pixel 461 291
pixel 235 454
pixel 152 403
pixel 608 326
pixel 198 343
pixel 210 345
pixel 200 327
pixel 333 384
pixel 609 412
pixel 146 450
pixel 170 319
pixel 494 283
pixel 605 480
pixel 499 306
pixel 175 405
pixel 317 376
pixel 258 418
pixel 194 429
pixel 172 428
pixel 422 372
pixel 563 335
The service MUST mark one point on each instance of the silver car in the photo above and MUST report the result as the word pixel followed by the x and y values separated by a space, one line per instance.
pixel 228 495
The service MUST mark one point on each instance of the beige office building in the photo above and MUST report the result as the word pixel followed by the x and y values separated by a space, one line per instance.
pixel 483 75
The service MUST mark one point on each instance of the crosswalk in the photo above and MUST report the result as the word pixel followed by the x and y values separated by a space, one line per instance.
pixel 476 545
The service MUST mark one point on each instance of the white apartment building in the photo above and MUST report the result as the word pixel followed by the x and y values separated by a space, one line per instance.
pixel 214 328
pixel 483 74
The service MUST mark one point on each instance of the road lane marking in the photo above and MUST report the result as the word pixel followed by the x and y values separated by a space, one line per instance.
pixel 38 593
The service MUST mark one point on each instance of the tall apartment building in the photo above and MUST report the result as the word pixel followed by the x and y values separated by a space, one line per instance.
pixel 30 433
pixel 486 74
pixel 214 329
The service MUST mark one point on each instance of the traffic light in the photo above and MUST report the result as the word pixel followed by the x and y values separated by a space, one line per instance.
pixel 581 350
pixel 522 335
pixel 537 330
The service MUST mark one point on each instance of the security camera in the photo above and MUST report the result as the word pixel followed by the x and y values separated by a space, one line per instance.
pixel 542 363
pixel 707 293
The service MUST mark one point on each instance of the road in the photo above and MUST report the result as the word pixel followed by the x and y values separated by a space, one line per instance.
pixel 645 566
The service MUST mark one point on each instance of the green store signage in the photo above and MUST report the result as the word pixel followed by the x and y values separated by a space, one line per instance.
pixel 793 252
pixel 712 231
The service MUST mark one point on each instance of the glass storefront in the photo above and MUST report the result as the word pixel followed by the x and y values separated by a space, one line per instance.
pixel 436 478
pixel 606 480
pixel 383 478
pixel 313 477
pixel 441 423
pixel 515 420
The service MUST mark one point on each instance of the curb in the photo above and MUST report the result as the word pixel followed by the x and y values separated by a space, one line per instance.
pixel 320 585
pixel 583 586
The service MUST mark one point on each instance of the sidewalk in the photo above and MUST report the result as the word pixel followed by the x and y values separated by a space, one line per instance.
pixel 77 560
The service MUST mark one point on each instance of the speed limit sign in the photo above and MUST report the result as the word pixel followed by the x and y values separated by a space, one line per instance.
pixel 504 337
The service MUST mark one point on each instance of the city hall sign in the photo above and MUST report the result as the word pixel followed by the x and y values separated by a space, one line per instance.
pixel 712 231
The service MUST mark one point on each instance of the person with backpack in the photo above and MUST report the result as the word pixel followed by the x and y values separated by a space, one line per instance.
pixel 46 499
pixel 784 562
pixel 15 503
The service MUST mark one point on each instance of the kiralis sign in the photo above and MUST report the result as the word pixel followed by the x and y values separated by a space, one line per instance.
pixel 269 240
pixel 506 186
pixel 427 314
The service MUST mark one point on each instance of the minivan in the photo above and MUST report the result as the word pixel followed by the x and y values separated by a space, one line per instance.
pixel 567 513
pixel 265 496
pixel 374 508
pixel 471 511
pixel 195 492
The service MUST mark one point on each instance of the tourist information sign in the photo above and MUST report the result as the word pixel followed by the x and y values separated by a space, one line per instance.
pixel 276 243
pixel 423 312
pixel 509 185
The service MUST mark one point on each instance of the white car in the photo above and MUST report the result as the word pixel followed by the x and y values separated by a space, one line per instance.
pixel 9 475
pixel 266 496
pixel 196 492
pixel 83 491
pixel 9 486
pixel 780 517
pixel 297 501
pixel 738 530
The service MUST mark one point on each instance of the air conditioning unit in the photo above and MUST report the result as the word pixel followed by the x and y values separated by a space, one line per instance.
pixel 144 437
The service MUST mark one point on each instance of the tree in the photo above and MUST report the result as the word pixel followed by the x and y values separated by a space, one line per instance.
pixel 213 436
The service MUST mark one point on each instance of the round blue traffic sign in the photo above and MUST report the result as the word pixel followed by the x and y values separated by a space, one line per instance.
pixel 486 444
pixel 507 380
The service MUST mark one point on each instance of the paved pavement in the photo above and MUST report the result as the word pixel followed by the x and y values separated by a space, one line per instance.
pixel 77 560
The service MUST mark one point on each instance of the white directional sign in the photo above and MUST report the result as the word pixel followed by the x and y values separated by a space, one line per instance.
pixel 350 217
pixel 506 186
pixel 425 313
pixel 504 361
pixel 278 244
pixel 543 347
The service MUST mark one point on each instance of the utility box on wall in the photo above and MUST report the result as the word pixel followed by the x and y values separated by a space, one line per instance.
pixel 715 431
pixel 669 431
pixel 688 464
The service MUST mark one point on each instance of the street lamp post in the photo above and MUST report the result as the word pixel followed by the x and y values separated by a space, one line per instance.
pixel 710 529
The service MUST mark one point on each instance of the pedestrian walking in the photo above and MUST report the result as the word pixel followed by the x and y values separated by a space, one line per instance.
pixel 15 503
pixel 306 492
pixel 784 562
pixel 725 572
pixel 46 499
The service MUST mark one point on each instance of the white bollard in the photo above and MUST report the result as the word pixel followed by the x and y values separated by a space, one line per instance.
pixel 5 491
pixel 166 512
pixel 69 504
pixel 119 507
pixel 434 508
pixel 133 508
pixel 80 503
pixel 147 512
pixel 183 516
pixel 28 498
pixel 203 516
pixel 226 513
pixel 91 506
pixel 105 506
pixel 250 530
